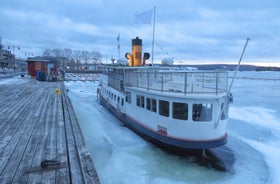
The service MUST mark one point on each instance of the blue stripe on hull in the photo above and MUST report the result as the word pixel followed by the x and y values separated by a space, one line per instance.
pixel 163 141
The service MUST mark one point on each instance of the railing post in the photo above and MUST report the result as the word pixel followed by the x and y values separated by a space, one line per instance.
pixel 148 78
pixel 217 80
pixel 137 79
pixel 185 84
pixel 161 82
pixel 226 88
pixel 192 82
pixel 203 80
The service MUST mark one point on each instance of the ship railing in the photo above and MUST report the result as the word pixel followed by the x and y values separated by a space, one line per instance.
pixel 179 82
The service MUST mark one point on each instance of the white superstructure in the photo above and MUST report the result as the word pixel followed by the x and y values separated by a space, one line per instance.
pixel 175 108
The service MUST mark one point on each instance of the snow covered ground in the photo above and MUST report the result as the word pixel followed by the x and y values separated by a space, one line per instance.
pixel 81 77
pixel 120 156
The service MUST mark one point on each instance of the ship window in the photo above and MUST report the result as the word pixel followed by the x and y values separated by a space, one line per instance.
pixel 154 105
pixel 148 103
pixel 128 97
pixel 224 108
pixel 114 97
pixel 122 102
pixel 180 111
pixel 202 112
pixel 164 108
pixel 118 99
pixel 142 101
pixel 138 99
pixel 151 104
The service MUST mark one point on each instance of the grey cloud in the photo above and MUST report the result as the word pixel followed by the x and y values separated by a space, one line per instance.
pixel 211 30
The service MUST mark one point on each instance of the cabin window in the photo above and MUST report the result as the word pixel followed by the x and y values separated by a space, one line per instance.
pixel 122 102
pixel 128 97
pixel 151 104
pixel 148 103
pixel 142 101
pixel 138 99
pixel 154 105
pixel 114 97
pixel 180 111
pixel 224 109
pixel 164 108
pixel 202 112
pixel 118 99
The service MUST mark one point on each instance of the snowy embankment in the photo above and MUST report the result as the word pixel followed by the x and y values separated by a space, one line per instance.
pixel 81 77
pixel 120 156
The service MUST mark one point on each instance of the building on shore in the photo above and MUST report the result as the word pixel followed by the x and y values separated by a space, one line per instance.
pixel 43 68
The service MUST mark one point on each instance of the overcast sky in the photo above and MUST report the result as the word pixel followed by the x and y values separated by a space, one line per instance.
pixel 191 31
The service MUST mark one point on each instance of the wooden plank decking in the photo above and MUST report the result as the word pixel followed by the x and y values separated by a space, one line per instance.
pixel 37 124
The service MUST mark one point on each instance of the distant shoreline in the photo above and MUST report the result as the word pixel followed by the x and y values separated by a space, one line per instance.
pixel 231 67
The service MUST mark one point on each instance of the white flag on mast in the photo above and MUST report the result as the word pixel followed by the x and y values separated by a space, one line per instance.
pixel 144 17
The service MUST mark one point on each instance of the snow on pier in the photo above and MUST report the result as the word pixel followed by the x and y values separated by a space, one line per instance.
pixel 40 137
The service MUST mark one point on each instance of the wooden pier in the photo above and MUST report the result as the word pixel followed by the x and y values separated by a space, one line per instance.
pixel 40 137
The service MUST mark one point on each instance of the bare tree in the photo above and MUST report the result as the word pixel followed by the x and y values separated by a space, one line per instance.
pixel 72 62
pixel 47 52
pixel 96 57
pixel 85 57
pixel 57 52
pixel 71 58
pixel 77 55
pixel 58 55
pixel 68 54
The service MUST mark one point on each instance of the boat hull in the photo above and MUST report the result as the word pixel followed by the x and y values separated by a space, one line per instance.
pixel 163 141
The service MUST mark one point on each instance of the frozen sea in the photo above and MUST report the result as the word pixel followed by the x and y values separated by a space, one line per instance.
pixel 121 157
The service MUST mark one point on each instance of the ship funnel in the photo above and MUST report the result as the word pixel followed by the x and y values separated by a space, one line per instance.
pixel 135 58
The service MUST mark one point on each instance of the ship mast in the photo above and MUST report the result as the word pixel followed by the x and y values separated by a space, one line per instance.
pixel 119 47
pixel 153 42
pixel 238 65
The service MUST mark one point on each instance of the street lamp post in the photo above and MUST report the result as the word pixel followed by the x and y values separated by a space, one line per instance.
pixel 13 47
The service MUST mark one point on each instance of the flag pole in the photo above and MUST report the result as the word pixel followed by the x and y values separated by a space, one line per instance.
pixel 153 42
pixel 119 47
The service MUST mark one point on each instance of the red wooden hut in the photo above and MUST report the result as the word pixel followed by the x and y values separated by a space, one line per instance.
pixel 48 66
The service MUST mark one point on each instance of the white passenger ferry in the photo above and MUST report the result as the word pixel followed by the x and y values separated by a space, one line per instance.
pixel 174 108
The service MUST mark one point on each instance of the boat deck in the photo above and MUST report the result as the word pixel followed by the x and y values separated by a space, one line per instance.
pixel 37 124
pixel 171 81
